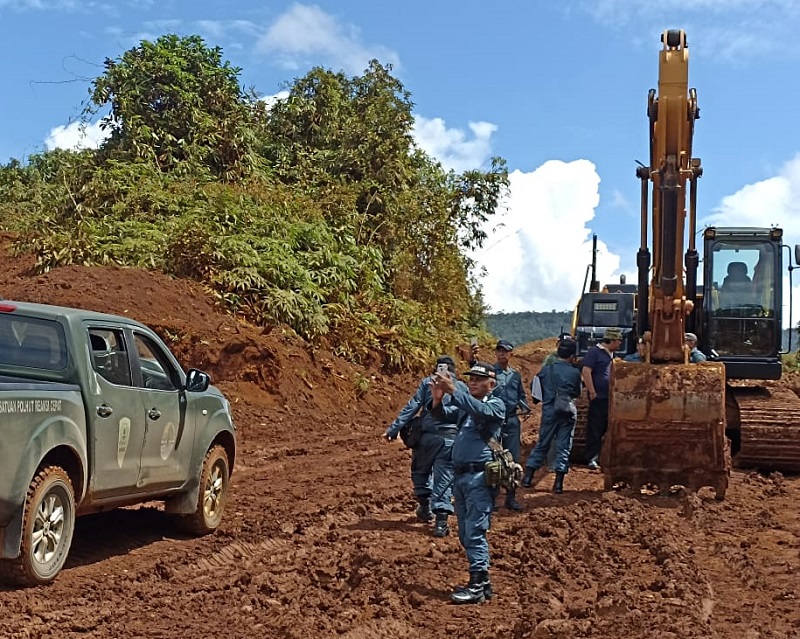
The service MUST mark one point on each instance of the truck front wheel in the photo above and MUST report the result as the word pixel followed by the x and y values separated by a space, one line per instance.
pixel 48 522
pixel 212 496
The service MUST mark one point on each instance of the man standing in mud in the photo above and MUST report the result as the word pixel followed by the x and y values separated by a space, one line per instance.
pixel 511 390
pixel 596 374
pixel 431 466
pixel 559 378
pixel 479 415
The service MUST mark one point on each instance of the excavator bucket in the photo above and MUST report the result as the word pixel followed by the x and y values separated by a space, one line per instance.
pixel 666 426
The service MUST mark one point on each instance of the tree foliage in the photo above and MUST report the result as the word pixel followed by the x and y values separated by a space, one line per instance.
pixel 318 212
pixel 175 101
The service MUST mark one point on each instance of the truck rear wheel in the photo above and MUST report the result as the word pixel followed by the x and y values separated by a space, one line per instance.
pixel 48 523
pixel 212 496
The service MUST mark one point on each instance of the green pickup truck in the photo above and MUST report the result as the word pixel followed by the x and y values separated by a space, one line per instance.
pixel 96 413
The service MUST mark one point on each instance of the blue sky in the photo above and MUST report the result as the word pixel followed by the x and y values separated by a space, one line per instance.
pixel 556 87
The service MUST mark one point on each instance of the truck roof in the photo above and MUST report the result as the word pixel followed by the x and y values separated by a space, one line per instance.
pixel 69 314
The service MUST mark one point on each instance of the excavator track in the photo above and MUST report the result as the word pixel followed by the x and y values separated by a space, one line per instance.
pixel 764 424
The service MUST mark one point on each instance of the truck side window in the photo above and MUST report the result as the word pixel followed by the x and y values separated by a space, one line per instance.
pixel 157 371
pixel 109 357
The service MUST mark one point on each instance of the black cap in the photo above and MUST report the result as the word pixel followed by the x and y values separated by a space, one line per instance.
pixel 481 369
pixel 504 345
pixel 566 347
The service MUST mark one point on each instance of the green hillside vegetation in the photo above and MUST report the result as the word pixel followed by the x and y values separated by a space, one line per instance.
pixel 317 212
pixel 531 326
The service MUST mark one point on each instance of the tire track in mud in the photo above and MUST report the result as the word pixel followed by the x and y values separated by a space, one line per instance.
pixel 750 546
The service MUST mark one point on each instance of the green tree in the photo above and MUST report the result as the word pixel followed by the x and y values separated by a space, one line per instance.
pixel 174 100
pixel 337 224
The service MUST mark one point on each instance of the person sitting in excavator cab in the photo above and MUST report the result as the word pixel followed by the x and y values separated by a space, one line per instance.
pixel 737 287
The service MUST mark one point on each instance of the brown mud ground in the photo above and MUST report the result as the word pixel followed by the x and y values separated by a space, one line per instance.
pixel 320 540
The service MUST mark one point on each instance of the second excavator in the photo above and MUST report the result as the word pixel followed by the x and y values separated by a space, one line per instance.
pixel 675 423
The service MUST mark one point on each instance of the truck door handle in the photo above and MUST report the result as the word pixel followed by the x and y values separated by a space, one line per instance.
pixel 104 410
pixel 154 413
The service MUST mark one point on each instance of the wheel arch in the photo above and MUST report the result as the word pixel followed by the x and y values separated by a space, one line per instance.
pixel 64 456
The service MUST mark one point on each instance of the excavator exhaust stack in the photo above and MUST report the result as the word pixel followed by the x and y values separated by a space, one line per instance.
pixel 667 427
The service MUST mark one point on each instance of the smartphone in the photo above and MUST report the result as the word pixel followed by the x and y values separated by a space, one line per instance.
pixel 442 370
pixel 473 341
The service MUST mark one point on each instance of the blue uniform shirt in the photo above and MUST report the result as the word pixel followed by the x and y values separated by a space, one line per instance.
pixel 421 399
pixel 509 389
pixel 696 356
pixel 477 420
pixel 560 378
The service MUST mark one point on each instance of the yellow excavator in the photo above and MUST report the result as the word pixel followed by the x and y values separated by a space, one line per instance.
pixel 672 422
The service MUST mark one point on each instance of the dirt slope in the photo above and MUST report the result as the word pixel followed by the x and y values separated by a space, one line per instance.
pixel 320 538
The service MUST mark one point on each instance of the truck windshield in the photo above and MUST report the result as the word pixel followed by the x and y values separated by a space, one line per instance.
pixel 32 342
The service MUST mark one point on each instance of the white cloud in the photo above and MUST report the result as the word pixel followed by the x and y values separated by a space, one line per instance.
pixel 737 31
pixel 305 35
pixel 774 201
pixel 40 4
pixel 539 244
pixel 451 146
pixel 75 136
pixel 270 100
pixel 538 259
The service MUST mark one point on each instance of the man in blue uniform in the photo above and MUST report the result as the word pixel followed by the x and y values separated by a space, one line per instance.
pixel 511 391
pixel 431 466
pixel 479 415
pixel 560 378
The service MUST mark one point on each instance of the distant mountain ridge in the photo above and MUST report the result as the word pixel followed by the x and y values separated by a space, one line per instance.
pixel 530 326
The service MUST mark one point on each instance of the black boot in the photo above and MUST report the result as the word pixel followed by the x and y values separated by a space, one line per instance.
pixel 527 478
pixel 424 513
pixel 441 528
pixel 511 500
pixel 475 589
pixel 487 588
pixel 558 485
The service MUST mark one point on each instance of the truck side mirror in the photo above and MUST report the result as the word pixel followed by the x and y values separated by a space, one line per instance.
pixel 797 253
pixel 197 381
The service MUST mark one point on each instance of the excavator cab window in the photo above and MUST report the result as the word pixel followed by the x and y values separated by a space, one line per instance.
pixel 744 279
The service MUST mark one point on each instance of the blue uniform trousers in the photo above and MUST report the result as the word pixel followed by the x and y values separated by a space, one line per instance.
pixel 432 471
pixel 511 436
pixel 474 502
pixel 553 433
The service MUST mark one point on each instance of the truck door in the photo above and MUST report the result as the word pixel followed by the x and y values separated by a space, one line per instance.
pixel 116 414
pixel 167 442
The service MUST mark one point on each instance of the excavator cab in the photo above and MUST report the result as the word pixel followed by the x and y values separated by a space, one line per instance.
pixel 741 324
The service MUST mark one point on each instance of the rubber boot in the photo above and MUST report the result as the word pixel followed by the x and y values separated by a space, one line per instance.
pixel 474 592
pixel 424 513
pixel 441 528
pixel 558 484
pixel 511 500
pixel 527 478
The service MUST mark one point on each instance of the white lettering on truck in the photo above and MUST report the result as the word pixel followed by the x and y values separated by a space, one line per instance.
pixel 123 437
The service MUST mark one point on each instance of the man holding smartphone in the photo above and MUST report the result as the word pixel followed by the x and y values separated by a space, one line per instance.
pixel 431 463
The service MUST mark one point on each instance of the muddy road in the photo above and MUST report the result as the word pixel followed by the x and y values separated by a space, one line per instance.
pixel 320 539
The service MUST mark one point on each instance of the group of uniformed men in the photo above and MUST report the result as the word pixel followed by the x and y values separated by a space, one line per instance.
pixel 459 421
